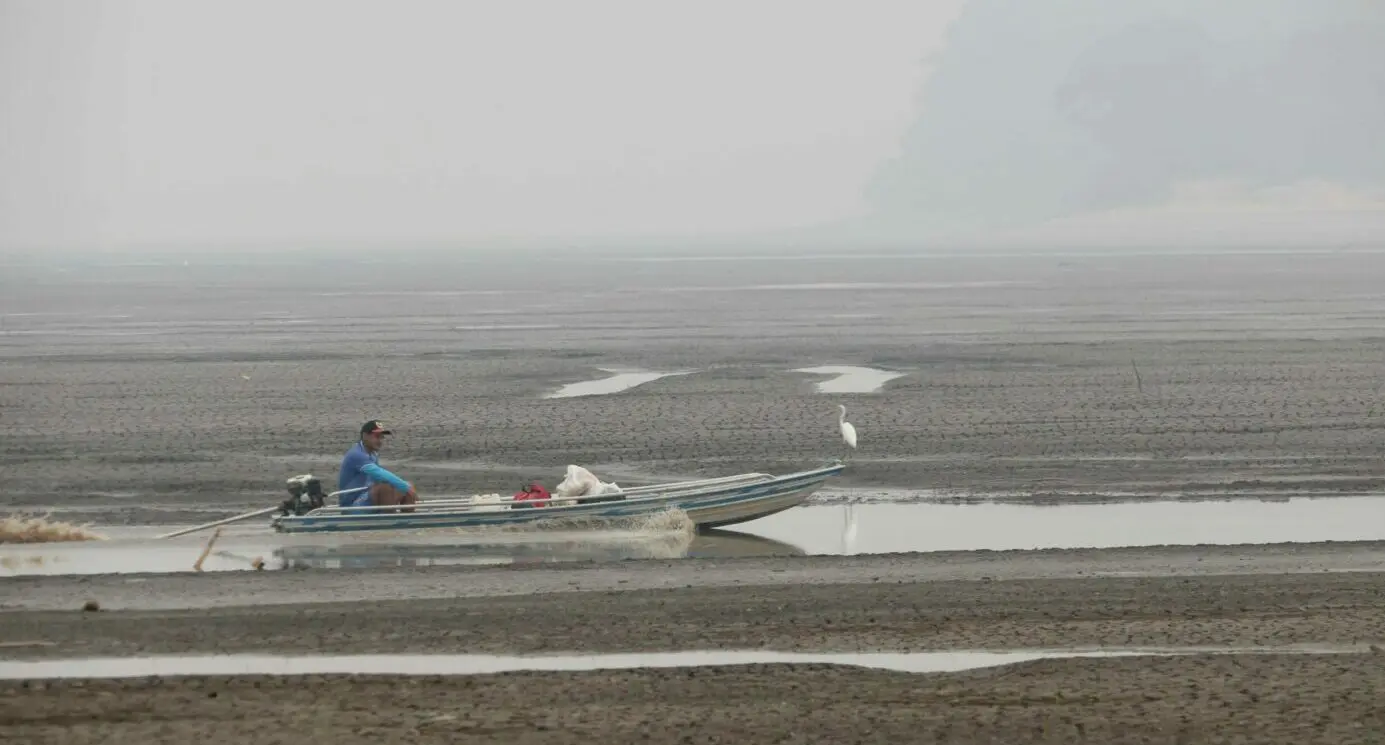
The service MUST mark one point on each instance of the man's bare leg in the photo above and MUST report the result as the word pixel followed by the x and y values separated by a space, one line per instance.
pixel 385 495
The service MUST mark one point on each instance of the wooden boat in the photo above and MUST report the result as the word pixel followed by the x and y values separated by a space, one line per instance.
pixel 386 552
pixel 709 503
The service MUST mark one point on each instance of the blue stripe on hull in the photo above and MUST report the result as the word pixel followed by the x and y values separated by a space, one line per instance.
pixel 745 496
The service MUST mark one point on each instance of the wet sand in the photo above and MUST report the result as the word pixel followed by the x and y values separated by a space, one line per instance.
pixel 134 395
pixel 902 603
pixel 1046 379
pixel 1246 699
pixel 1269 698
pixel 194 592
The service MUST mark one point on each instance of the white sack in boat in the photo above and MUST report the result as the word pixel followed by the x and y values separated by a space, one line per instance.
pixel 491 503
pixel 581 483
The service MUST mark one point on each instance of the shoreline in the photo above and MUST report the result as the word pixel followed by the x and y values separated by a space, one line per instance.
pixel 1176 596
pixel 1284 598
pixel 189 590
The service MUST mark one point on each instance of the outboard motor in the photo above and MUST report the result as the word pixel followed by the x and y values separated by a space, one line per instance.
pixel 305 495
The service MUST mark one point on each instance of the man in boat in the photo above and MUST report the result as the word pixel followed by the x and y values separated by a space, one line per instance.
pixel 361 468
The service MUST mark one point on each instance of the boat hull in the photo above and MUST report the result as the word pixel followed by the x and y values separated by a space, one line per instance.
pixel 388 552
pixel 712 507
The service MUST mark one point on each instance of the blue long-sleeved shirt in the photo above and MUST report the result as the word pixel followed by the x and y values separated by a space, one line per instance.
pixel 360 468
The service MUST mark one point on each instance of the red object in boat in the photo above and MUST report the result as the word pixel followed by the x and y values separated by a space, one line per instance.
pixel 534 493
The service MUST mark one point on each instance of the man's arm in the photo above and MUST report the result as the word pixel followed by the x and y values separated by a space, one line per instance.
pixel 376 473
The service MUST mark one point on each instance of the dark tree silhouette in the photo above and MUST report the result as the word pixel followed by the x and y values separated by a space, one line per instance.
pixel 1042 110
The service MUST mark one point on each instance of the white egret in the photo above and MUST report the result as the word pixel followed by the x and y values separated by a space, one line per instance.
pixel 848 430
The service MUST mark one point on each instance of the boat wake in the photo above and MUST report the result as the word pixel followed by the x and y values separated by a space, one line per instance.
pixel 669 520
pixel 668 534
pixel 664 534
pixel 43 529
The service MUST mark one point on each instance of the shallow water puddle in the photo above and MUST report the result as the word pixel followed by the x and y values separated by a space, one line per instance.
pixel 239 546
pixel 851 379
pixel 837 529
pixel 619 381
pixel 466 664
pixel 889 528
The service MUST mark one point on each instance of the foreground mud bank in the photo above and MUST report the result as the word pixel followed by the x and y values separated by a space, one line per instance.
pixel 1169 596
pixel 190 590
pixel 1268 700
pixel 1242 698
pixel 1250 610
pixel 1264 597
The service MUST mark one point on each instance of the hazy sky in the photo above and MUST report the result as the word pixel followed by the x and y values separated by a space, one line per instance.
pixel 179 123
pixel 168 120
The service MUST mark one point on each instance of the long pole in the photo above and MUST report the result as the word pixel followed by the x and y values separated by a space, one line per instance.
pixel 228 520
pixel 246 516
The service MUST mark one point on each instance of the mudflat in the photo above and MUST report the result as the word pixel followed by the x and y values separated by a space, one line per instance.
pixel 139 394
pixel 1292 696
pixel 1258 606
pixel 199 593
pixel 1202 699
pixel 136 394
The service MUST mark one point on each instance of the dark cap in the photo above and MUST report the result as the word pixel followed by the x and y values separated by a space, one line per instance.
pixel 373 427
